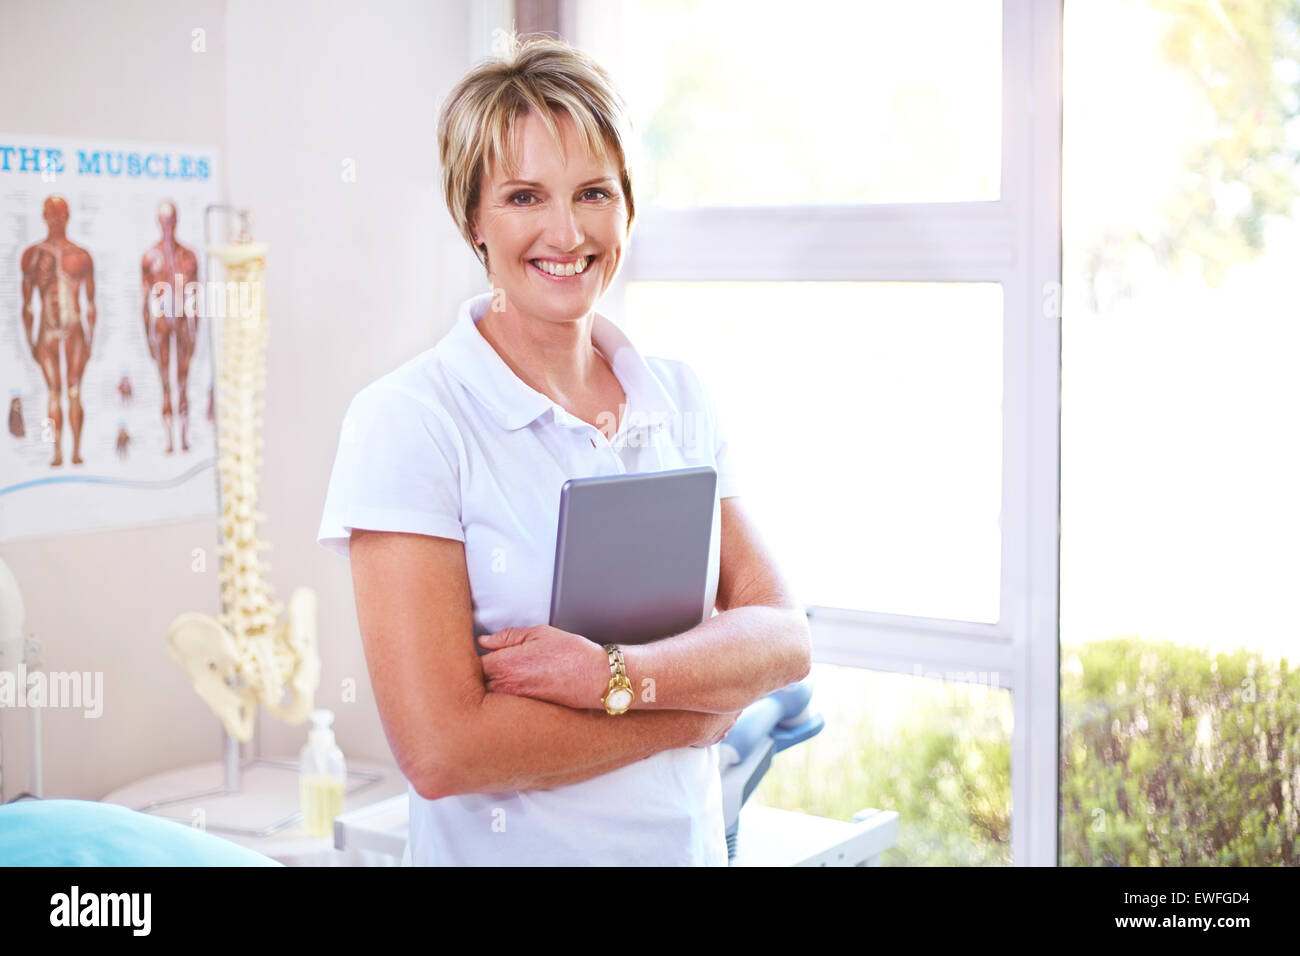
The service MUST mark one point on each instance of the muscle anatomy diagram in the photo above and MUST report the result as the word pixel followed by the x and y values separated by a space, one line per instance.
pixel 106 344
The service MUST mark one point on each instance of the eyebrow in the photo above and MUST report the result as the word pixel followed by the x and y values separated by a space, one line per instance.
pixel 589 182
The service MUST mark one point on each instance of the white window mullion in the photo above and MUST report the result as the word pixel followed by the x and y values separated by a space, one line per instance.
pixel 1032 151
pixel 921 647
pixel 1043 410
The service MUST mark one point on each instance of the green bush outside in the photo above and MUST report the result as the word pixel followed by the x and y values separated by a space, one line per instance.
pixel 1176 756
pixel 1169 756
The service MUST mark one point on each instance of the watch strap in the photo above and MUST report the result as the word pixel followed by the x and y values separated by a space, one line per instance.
pixel 617 668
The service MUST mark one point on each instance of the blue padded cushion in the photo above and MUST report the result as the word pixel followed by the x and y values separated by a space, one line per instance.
pixel 89 833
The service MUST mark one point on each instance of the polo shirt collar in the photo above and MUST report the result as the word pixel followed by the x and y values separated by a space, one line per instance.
pixel 512 402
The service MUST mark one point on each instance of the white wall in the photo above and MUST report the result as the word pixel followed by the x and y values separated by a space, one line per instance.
pixel 360 277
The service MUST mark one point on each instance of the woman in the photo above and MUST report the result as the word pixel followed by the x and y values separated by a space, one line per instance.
pixel 445 497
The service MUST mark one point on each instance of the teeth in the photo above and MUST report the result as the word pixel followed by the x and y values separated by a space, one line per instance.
pixel 568 269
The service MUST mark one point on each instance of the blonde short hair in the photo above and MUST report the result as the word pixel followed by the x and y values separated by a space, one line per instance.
pixel 478 122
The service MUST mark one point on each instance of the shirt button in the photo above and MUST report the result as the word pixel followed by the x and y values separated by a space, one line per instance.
pixel 593 442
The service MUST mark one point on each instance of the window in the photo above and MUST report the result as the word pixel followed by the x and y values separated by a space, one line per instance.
pixel 833 105
pixel 1180 465
pixel 885 489
pixel 937 752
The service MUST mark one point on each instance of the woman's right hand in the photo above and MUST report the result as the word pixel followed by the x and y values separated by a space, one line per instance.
pixel 714 727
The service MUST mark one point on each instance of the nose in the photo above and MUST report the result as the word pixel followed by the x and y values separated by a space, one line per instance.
pixel 562 230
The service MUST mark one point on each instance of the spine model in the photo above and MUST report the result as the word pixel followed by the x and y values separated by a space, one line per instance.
pixel 247 655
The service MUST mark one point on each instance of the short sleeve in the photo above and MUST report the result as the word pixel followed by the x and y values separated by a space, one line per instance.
pixel 396 469
pixel 724 460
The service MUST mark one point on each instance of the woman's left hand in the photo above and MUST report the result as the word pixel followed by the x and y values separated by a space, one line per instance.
pixel 545 663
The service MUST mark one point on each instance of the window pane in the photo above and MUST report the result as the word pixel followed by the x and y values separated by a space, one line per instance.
pixel 1180 464
pixel 937 752
pixel 829 101
pixel 865 419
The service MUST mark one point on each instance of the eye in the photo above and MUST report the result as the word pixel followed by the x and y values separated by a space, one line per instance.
pixel 601 194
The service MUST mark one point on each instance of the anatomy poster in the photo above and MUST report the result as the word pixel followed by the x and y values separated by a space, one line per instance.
pixel 106 366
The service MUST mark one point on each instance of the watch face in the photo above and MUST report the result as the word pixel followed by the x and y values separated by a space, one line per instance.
pixel 620 699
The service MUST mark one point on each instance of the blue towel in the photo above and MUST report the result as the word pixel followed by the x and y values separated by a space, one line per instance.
pixel 89 833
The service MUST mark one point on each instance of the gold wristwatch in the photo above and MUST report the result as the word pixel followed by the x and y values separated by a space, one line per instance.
pixel 618 697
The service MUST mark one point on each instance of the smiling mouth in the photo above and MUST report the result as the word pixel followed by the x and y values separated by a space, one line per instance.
pixel 556 271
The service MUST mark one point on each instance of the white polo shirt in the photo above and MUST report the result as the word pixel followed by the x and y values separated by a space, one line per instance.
pixel 454 444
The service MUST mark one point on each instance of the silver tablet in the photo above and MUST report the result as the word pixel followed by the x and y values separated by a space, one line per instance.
pixel 632 554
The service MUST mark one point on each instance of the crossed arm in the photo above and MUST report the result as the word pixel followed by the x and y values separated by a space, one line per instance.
pixel 758 642
pixel 495 723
